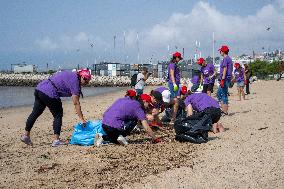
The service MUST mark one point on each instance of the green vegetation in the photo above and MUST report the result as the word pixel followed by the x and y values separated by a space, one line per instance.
pixel 262 69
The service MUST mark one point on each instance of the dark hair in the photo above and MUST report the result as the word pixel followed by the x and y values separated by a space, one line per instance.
pixel 145 69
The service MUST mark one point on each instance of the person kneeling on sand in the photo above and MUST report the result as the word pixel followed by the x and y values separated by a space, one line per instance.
pixel 201 102
pixel 121 118
pixel 48 93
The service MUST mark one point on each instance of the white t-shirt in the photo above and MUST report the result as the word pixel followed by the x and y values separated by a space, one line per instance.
pixel 140 81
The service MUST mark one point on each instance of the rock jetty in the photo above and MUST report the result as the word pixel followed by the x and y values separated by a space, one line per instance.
pixel 33 79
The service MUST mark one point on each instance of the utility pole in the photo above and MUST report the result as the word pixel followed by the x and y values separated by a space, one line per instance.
pixel 213 50
pixel 114 37
pixel 138 50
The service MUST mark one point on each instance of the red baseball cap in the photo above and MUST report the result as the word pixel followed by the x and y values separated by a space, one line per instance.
pixel 224 48
pixel 131 93
pixel 200 61
pixel 183 90
pixel 146 98
pixel 237 65
pixel 177 54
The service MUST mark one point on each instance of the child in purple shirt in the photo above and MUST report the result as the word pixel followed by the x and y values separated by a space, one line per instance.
pixel 201 102
pixel 239 78
pixel 48 93
pixel 121 118
pixel 207 76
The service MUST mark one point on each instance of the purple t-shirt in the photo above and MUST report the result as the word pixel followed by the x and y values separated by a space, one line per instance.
pixel 195 80
pixel 66 82
pixel 173 66
pixel 124 109
pixel 239 74
pixel 208 71
pixel 201 101
pixel 226 62
pixel 161 89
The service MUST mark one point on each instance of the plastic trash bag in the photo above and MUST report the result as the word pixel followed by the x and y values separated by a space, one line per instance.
pixel 194 128
pixel 85 136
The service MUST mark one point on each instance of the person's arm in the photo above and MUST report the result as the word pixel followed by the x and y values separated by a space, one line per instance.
pixel 76 102
pixel 189 110
pixel 146 76
pixel 172 74
pixel 224 73
pixel 201 79
pixel 149 131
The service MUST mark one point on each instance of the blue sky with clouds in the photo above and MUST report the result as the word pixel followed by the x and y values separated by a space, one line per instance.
pixel 69 32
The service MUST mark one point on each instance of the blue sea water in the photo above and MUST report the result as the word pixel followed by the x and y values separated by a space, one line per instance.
pixel 21 96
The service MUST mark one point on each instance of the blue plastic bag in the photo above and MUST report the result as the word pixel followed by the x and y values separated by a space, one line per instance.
pixel 85 136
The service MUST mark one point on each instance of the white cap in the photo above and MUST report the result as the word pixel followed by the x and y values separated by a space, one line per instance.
pixel 166 96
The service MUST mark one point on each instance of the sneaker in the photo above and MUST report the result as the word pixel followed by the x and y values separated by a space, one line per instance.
pixel 27 140
pixel 121 140
pixel 99 139
pixel 57 143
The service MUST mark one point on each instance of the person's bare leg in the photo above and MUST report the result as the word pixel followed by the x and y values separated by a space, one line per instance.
pixel 215 128
pixel 242 92
pixel 224 107
pixel 56 137
pixel 175 110
pixel 28 133
pixel 220 127
pixel 239 93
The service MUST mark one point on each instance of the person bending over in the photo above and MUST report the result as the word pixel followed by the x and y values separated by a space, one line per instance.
pixel 201 102
pixel 48 93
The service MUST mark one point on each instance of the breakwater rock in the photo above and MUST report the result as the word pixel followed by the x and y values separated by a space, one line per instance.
pixel 34 79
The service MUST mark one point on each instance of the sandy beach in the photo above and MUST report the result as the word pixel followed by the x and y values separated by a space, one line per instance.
pixel 250 154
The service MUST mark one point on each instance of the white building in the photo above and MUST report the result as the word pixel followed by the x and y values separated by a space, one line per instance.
pixel 23 68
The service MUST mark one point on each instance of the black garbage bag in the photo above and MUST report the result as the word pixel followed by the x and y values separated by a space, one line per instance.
pixel 181 113
pixel 193 128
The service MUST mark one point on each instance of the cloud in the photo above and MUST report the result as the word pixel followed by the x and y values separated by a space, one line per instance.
pixel 241 33
pixel 65 43
pixel 46 43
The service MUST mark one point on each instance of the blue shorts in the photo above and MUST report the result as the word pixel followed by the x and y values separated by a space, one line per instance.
pixel 173 93
pixel 241 84
pixel 222 93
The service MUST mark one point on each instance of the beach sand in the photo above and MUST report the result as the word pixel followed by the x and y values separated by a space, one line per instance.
pixel 250 154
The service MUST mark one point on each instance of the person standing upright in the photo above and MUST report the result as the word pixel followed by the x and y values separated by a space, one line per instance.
pixel 174 81
pixel 226 69
pixel 207 76
pixel 248 75
pixel 141 79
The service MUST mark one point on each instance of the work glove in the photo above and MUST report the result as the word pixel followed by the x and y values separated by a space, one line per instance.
pixel 222 83
pixel 175 88
pixel 157 140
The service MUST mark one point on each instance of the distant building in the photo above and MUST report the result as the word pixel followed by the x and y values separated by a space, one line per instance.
pixel 24 68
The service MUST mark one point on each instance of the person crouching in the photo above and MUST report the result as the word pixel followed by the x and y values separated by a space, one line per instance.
pixel 121 118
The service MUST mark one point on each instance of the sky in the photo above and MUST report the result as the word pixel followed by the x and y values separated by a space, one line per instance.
pixel 69 32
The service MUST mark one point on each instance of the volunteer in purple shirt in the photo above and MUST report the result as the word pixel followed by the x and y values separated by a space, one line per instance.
pixel 201 102
pixel 239 78
pixel 121 118
pixel 226 69
pixel 48 93
pixel 207 75
pixel 174 81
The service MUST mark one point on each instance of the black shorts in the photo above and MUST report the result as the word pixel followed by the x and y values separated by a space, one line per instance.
pixel 215 114
pixel 208 87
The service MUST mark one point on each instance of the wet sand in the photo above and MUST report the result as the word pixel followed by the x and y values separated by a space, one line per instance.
pixel 249 154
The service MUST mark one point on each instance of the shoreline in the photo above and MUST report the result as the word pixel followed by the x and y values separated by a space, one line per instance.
pixel 246 155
